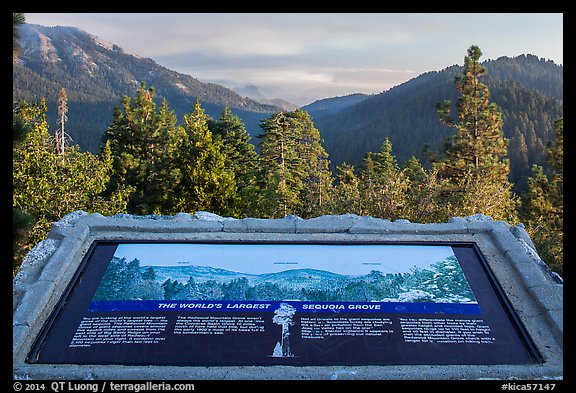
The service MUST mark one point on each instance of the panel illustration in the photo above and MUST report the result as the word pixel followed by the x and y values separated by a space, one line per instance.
pixel 326 273
pixel 281 303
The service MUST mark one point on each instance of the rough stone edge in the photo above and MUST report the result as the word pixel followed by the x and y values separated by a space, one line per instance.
pixel 369 372
pixel 79 225
pixel 49 272
pixel 544 287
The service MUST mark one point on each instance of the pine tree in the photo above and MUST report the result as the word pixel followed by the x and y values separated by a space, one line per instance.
pixel 295 174
pixel 474 162
pixel 282 169
pixel 48 185
pixel 317 178
pixel 204 182
pixel 383 184
pixel 139 139
pixel 543 205
pixel 18 19
pixel 345 194
pixel 241 159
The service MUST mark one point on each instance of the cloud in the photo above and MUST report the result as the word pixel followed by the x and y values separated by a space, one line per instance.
pixel 315 55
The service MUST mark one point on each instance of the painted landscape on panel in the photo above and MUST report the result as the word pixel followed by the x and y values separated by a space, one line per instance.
pixel 438 281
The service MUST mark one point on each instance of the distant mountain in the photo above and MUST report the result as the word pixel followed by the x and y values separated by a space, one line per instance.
pixel 327 106
pixel 294 279
pixel 528 89
pixel 304 279
pixel 442 282
pixel 279 102
pixel 251 91
pixel 200 273
pixel 97 74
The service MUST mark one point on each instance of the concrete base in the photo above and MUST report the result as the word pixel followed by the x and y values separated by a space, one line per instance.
pixel 535 293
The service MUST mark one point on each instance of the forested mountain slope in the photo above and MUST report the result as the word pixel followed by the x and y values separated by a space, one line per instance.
pixel 97 74
pixel 528 89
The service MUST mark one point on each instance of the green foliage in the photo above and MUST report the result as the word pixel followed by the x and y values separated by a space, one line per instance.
pixel 204 182
pixel 138 140
pixel 345 194
pixel 241 159
pixel 543 205
pixel 383 185
pixel 17 20
pixel 282 169
pixel 48 186
pixel 150 164
pixel 21 222
pixel 296 178
pixel 474 158
pixel 425 194
pixel 317 178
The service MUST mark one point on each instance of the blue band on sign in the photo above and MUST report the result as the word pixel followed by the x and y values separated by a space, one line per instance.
pixel 271 306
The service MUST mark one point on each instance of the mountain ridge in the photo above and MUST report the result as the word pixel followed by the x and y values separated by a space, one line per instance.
pixel 97 74
pixel 527 89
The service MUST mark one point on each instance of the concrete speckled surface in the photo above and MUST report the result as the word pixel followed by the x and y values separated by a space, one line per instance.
pixel 535 293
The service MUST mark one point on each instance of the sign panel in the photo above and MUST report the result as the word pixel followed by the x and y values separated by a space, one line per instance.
pixel 163 303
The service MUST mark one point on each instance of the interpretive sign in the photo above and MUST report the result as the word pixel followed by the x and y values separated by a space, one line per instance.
pixel 283 303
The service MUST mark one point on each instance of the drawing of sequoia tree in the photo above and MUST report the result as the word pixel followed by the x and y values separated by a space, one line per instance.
pixel 283 317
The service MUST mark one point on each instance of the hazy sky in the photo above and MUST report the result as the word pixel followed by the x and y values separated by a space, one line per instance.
pixel 304 57
pixel 272 258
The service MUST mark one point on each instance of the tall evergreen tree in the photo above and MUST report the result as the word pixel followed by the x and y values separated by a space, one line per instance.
pixel 543 205
pixel 317 178
pixel 204 182
pixel 18 19
pixel 474 161
pixel 48 185
pixel 241 159
pixel 282 169
pixel 138 137
pixel 296 178
pixel 383 184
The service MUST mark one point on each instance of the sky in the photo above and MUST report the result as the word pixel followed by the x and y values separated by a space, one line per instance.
pixel 273 258
pixel 304 57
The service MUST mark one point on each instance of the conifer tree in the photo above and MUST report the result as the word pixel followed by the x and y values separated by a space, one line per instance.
pixel 345 194
pixel 543 205
pixel 204 183
pixel 241 159
pixel 475 161
pixel 317 178
pixel 48 185
pixel 383 184
pixel 18 19
pixel 282 169
pixel 139 138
